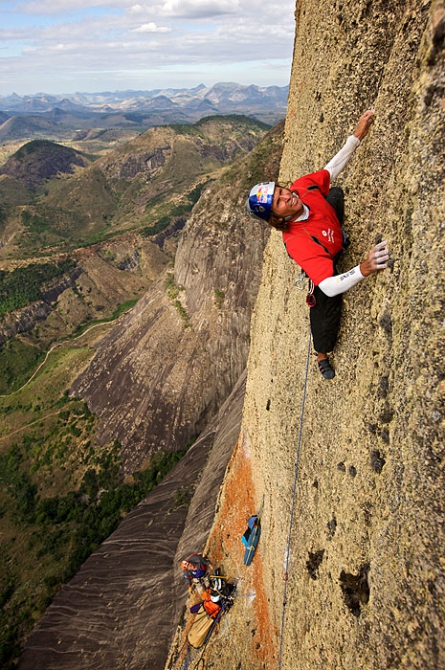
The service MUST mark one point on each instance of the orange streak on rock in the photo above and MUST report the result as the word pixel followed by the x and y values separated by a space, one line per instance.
pixel 238 501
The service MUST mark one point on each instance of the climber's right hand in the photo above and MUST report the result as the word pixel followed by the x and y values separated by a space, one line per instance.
pixel 377 259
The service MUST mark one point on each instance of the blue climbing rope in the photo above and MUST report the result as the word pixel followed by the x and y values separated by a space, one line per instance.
pixel 294 495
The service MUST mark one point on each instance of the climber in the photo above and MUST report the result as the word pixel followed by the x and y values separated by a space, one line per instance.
pixel 196 567
pixel 310 216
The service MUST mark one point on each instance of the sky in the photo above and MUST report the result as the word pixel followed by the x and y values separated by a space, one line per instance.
pixel 68 46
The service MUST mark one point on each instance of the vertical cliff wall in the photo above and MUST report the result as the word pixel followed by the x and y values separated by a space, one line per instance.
pixel 366 580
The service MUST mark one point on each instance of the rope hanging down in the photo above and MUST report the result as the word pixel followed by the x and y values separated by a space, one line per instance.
pixel 294 495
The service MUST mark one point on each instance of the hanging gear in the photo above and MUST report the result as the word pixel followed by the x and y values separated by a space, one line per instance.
pixel 299 282
pixel 310 298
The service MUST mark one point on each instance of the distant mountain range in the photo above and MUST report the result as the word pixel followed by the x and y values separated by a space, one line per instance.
pixel 43 114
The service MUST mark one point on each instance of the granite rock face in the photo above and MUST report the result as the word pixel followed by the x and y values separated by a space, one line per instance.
pixel 364 555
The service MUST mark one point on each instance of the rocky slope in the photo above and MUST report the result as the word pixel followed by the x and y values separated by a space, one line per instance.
pixel 66 320
pixel 24 320
pixel 197 322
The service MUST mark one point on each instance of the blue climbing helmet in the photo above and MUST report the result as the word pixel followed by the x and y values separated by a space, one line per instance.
pixel 259 202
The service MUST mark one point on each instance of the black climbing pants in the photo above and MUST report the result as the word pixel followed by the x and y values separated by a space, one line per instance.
pixel 325 321
pixel 336 198
pixel 326 314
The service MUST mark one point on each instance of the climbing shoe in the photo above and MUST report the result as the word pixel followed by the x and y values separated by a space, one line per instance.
pixel 326 369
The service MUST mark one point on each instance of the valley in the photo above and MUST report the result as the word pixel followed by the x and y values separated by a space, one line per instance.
pixel 85 250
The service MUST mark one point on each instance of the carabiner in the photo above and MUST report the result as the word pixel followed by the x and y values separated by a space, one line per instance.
pixel 299 282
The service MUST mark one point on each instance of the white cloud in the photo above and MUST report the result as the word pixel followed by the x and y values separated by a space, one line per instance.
pixel 200 8
pixel 120 40
pixel 136 9
pixel 151 28
pixel 61 6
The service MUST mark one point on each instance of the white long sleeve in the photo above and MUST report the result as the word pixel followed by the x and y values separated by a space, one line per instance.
pixel 340 283
pixel 340 160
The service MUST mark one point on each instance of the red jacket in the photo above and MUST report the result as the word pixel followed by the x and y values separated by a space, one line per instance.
pixel 317 260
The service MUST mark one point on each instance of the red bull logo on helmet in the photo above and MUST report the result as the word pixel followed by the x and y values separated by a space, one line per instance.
pixel 262 192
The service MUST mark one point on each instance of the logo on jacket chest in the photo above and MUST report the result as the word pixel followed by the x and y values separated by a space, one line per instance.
pixel 329 234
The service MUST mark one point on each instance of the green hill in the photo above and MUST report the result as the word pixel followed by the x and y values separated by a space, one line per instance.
pixel 39 160
pixel 145 185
